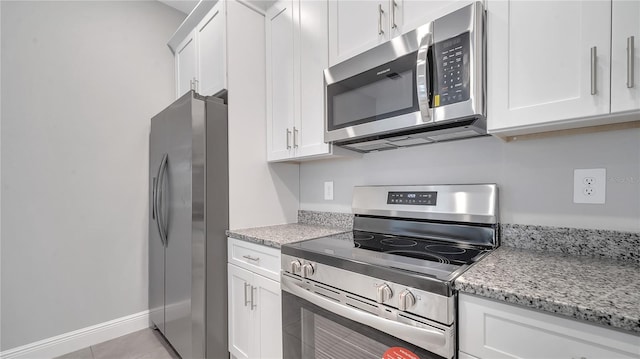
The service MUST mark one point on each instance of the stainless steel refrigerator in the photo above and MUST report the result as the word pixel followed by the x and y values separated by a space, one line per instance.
pixel 189 213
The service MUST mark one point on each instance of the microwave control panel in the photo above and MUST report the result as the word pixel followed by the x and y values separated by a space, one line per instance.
pixel 451 71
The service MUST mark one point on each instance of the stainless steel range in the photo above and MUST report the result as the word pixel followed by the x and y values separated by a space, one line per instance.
pixel 385 290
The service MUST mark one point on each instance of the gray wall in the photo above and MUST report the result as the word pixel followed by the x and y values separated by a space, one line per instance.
pixel 535 177
pixel 80 81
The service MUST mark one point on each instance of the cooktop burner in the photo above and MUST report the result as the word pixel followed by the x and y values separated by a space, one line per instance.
pixel 419 248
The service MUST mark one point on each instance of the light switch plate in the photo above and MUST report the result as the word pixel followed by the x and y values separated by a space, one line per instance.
pixel 589 185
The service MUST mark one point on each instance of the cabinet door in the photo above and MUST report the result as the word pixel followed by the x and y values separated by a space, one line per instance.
pixel 490 329
pixel 411 14
pixel 241 329
pixel 625 70
pixel 268 317
pixel 211 36
pixel 356 26
pixel 313 53
pixel 280 94
pixel 542 73
pixel 186 64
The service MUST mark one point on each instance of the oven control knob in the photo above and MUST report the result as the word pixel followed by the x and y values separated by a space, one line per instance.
pixel 294 266
pixel 307 270
pixel 384 293
pixel 406 300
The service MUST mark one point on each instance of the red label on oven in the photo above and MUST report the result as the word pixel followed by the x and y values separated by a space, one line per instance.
pixel 399 353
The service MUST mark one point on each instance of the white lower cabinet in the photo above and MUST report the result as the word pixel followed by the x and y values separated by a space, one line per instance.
pixel 255 310
pixel 491 329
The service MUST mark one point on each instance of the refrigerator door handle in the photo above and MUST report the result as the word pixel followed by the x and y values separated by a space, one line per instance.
pixel 159 200
pixel 153 199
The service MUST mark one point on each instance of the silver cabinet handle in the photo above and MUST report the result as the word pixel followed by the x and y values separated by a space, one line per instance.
pixel 594 64
pixel 295 137
pixel 253 304
pixel 380 12
pixel 246 300
pixel 288 138
pixel 630 61
pixel 394 5
pixel 192 84
pixel 196 84
pixel 251 258
pixel 423 77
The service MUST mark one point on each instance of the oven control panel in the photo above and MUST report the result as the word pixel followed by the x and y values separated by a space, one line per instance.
pixel 413 198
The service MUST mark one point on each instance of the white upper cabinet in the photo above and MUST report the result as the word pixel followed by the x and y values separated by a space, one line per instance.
pixel 186 64
pixel 359 25
pixel 201 56
pixel 211 37
pixel 625 56
pixel 280 94
pixel 568 71
pixel 297 53
pixel 550 71
pixel 314 58
pixel 356 26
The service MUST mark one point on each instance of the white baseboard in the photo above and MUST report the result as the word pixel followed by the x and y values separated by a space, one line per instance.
pixel 81 338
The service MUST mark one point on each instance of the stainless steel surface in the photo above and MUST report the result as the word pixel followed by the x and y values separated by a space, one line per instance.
pixel 380 12
pixel 423 76
pixel 432 336
pixel 469 18
pixel 630 61
pixel 406 300
pixel 288 138
pixel 462 203
pixel 436 307
pixel 295 266
pixel 191 204
pixel 384 293
pixel 394 6
pixel 161 211
pixel 307 270
pixel 246 297
pixel 594 66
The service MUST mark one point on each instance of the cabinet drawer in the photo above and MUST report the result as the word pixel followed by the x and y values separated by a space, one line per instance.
pixel 255 257
pixel 490 329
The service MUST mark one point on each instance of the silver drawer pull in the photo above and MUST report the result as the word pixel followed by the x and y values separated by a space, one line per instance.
pixel 630 61
pixel 251 258
pixel 594 65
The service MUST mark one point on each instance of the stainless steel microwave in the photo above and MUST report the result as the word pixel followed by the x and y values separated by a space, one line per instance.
pixel 425 86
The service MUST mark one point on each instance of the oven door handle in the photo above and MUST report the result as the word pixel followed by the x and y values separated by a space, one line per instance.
pixel 433 340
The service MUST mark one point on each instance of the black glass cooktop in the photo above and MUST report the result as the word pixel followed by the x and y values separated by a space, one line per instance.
pixel 425 249
pixel 435 258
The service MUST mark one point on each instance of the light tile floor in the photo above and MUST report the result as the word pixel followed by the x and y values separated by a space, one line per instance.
pixel 143 344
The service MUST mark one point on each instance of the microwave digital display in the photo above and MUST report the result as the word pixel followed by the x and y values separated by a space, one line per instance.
pixel 451 70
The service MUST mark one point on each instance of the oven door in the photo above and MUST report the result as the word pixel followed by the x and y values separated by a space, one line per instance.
pixel 315 326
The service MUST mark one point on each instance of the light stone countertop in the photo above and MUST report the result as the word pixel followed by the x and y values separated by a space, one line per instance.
pixel 275 236
pixel 597 290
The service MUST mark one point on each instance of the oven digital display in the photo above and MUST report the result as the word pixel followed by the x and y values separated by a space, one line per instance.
pixel 413 198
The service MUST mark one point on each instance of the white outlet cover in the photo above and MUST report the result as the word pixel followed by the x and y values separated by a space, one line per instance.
pixel 598 188
pixel 328 191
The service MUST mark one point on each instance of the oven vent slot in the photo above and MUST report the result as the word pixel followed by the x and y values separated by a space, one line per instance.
pixel 327 293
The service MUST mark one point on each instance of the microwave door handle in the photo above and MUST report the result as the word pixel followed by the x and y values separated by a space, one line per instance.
pixel 423 77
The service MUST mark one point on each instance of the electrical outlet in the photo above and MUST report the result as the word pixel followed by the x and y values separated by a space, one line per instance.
pixel 589 185
pixel 328 191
